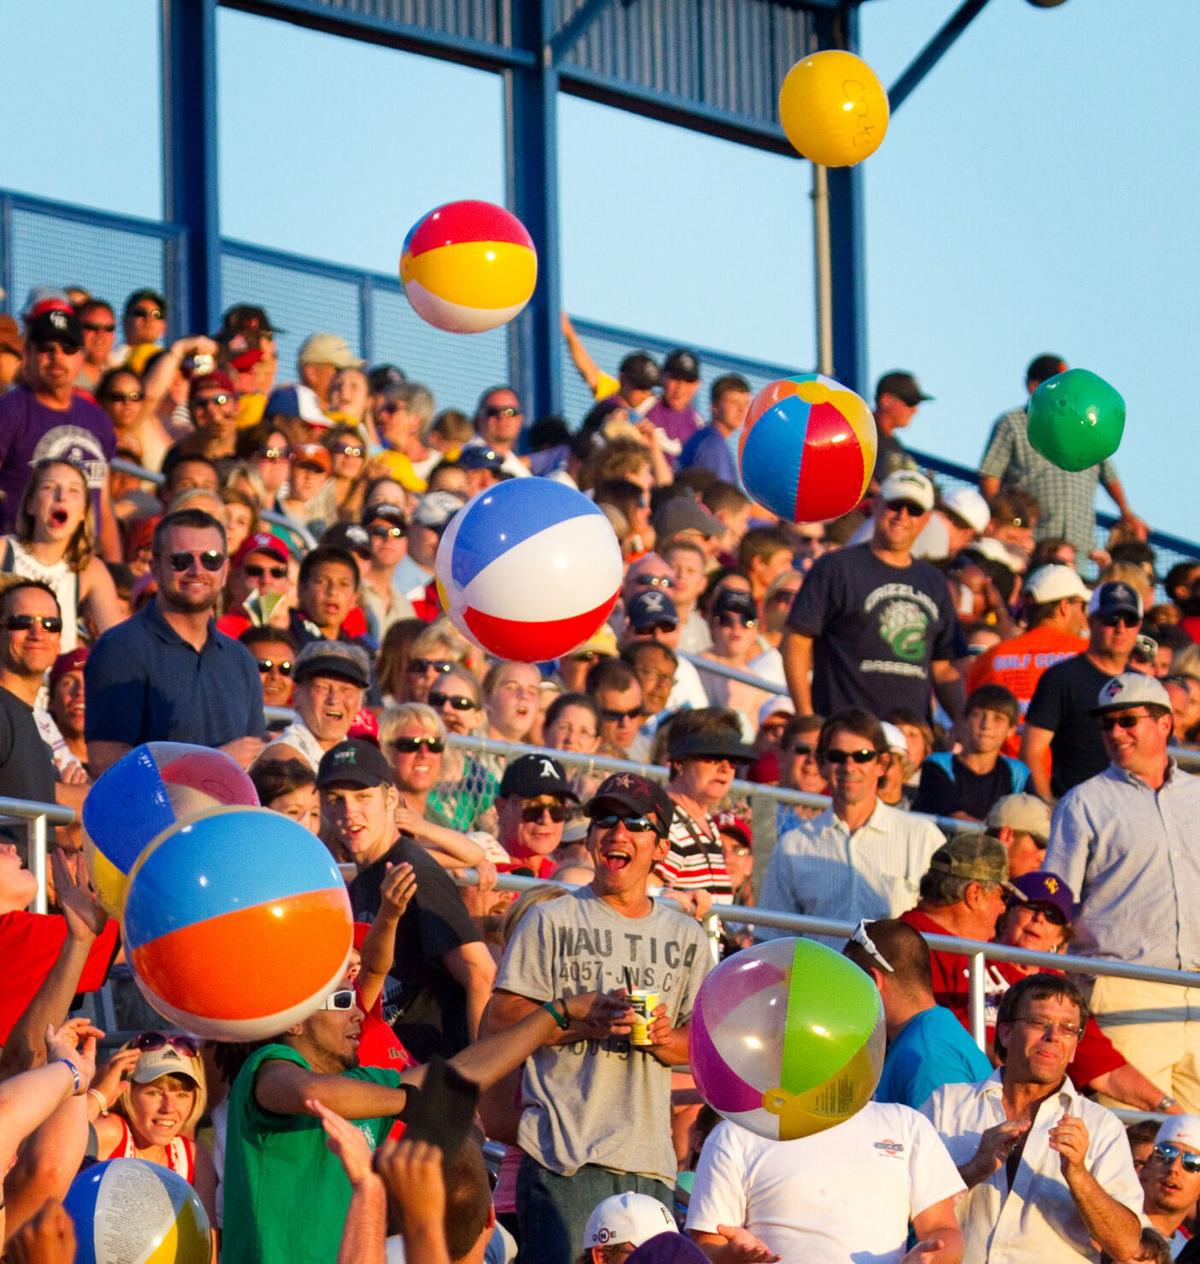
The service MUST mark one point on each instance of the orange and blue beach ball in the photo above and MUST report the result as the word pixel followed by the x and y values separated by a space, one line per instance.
pixel 468 266
pixel 237 924
pixel 808 447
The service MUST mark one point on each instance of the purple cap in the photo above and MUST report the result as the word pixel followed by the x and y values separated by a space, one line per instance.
pixel 1044 887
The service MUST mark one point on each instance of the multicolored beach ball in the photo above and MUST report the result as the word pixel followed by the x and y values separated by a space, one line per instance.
pixel 807 448
pixel 529 569
pixel 468 266
pixel 237 924
pixel 153 787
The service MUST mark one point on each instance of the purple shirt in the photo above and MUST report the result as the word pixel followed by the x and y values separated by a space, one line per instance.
pixel 81 435
pixel 676 423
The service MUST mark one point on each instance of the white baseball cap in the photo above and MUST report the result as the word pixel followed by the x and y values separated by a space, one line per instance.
pixel 1055 582
pixel 966 503
pixel 1132 689
pixel 908 485
pixel 632 1218
pixel 896 741
pixel 1181 1130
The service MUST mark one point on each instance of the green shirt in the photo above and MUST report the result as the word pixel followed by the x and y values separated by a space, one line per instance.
pixel 286 1195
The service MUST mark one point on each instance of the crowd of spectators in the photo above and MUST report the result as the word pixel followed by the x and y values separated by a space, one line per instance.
pixel 980 742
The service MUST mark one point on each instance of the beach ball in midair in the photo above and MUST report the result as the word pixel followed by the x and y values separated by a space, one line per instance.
pixel 1076 419
pixel 130 1209
pixel 154 786
pixel 468 266
pixel 237 924
pixel 807 448
pixel 529 569
pixel 833 108
pixel 787 1039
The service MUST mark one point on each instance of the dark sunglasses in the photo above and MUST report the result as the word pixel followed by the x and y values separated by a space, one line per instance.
pixel 422 665
pixel 124 397
pixel 611 714
pixel 207 401
pixel 342 999
pixel 266 665
pixel 804 748
pixel 635 824
pixel 656 581
pixel 1126 722
pixel 909 507
pixel 493 411
pixel 386 533
pixel 272 454
pixel 1048 911
pixel 1168 1153
pixel 211 559
pixel 147 1041
pixel 348 449
pixel 535 811
pixel 845 757
pixel 257 572
pixel 24 622
pixel 1123 620
pixel 664 625
pixel 95 328
pixel 147 313
pixel 448 699
pixel 735 621
pixel 410 745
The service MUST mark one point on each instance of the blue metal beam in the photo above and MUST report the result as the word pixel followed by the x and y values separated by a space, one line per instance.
pixel 566 37
pixel 189 104
pixel 933 52
pixel 531 152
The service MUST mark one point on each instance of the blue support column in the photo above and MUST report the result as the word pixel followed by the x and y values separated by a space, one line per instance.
pixel 846 232
pixel 189 68
pixel 531 144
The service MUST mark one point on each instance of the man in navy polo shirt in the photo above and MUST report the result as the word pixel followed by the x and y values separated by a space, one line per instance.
pixel 167 674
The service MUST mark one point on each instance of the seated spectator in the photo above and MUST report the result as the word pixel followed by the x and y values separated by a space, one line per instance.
pixel 275 652
pixel 617 693
pixel 241 517
pixel 651 616
pixel 432 653
pixel 534 801
pixel 709 448
pixel 655 665
pixel 573 667
pixel 385 525
pixel 764 554
pixel 311 499
pixel 288 786
pixel 858 858
pixel 800 769
pixel 1022 823
pixel 918 733
pixel 688 563
pixel 348 465
pixel 622 1223
pixel 926 1044
pixel 213 403
pixel 733 626
pixel 327 599
pixel 510 693
pixel 260 587
pixel 967 782
pixel 330 680
pixel 1171 1180
pixel 893 787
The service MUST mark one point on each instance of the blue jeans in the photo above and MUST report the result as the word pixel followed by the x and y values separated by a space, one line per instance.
pixel 553 1210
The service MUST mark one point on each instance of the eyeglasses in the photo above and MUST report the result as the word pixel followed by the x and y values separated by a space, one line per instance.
pixel 656 581
pixel 386 533
pixel 613 716
pixel 864 941
pixel 635 824
pixel 211 559
pixel 147 313
pixel 348 449
pixel 207 401
pixel 418 666
pixel 1126 722
pixel 1048 1029
pixel 266 665
pixel 845 757
pixel 535 811
pixel 410 745
pixel 124 397
pixel 1168 1153
pixel 94 327
pixel 494 411
pixel 735 621
pixel 259 572
pixel 1124 620
pixel 909 507
pixel 459 703
pixel 272 454
pixel 147 1041
pixel 342 999
pixel 804 748
pixel 741 852
pixel 663 625
pixel 24 622
pixel 1047 911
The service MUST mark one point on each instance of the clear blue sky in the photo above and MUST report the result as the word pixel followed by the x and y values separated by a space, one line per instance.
pixel 1035 194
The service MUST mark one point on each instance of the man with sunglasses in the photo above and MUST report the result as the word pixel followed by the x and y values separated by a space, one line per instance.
pixel 259 590
pixel 858 858
pixel 167 673
pixel 531 809
pixel 143 323
pixel 275 653
pixel 607 935
pixel 98 324
pixel 498 421
pixel 213 403
pixel 1171 1180
pixel 873 627
pixel 1062 744
pixel 1049 1173
pixel 1126 841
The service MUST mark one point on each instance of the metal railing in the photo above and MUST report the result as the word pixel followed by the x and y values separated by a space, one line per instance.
pixel 37 816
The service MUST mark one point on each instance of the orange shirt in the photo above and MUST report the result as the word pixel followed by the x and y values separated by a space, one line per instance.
pixel 1018 664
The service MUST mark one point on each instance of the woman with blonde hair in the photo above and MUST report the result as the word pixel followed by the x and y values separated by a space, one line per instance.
pixel 54 542
pixel 241 517
pixel 433 653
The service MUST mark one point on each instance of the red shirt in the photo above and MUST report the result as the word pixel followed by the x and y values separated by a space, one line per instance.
pixel 30 944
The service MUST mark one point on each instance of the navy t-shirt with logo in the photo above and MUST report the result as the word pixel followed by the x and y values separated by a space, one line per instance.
pixel 81 435
pixel 875 630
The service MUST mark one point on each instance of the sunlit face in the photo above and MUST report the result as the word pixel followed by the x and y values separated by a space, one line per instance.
pixel 195 588
pixel 688 570
pixel 327 596
pixel 500 418
pixel 799 765
pixel 29 651
pixel 145 321
pixel 1041 1041
pixel 122 400
pixel 1139 747
pixel 98 326
pixel 623 857
pixel 621 715
pixel 539 836
pixel 328 705
pixel 1035 926
pixel 514 701
pixel 17 885
pixel 705 780
pixel 448 696
pixel 1169 1187
pixel 276 678
pixel 302 804
pixel 986 730
pixel 851 782
pixel 573 729
pixel 239 521
pixel 733 635
pixel 739 859
pixel 59 503
pixel 898 523
pixel 307 478
pixel 656 673
pixel 52 366
pixel 419 770
pixel 158 1110
pixel 67 703
pixel 360 819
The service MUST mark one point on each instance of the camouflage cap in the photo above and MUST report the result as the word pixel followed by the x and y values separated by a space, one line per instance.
pixel 977 857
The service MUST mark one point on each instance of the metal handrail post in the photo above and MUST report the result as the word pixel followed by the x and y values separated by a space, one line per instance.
pixel 976 999
pixel 35 833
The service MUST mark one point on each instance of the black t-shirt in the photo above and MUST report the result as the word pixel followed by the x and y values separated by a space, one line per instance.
pixel 26 765
pixel 949 786
pixel 1062 703
pixel 890 456
pixel 423 1002
pixel 875 629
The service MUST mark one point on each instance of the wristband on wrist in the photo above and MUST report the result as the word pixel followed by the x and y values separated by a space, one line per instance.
pixel 99 1096
pixel 74 1074
pixel 560 1018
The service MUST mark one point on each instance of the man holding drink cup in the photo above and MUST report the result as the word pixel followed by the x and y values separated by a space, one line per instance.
pixel 582 1092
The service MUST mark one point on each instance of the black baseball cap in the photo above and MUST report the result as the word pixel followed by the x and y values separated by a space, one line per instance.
pixel 640 369
pixel 140 296
pixel 682 364
pixel 245 317
pixel 348 535
pixel 627 792
pixel 721 744
pixel 354 763
pixel 385 511
pixel 649 608
pixel 1045 366
pixel 732 601
pixel 533 775
pixel 55 325
pixel 385 375
pixel 476 457
pixel 903 385
pixel 333 658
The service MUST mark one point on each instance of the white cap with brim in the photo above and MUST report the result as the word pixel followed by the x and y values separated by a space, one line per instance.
pixel 966 503
pixel 1132 689
pixel 1180 1130
pixel 156 1063
pixel 908 485
pixel 894 736
pixel 1055 583
pixel 1025 813
pixel 632 1218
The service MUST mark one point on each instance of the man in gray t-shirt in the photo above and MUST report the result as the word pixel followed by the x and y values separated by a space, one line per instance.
pixel 596 1116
